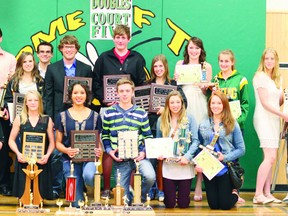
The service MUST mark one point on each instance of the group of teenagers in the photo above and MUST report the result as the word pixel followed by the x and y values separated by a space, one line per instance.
pixel 205 109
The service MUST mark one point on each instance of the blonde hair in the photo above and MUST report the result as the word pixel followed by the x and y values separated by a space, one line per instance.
pixel 275 75
pixel 227 118
pixel 165 126
pixel 123 81
pixel 24 113
pixel 231 55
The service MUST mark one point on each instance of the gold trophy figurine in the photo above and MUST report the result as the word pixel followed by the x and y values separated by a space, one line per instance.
pixel 97 182
pixel 118 191
pixel 137 186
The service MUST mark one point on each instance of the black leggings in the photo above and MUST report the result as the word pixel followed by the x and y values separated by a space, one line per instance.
pixel 219 192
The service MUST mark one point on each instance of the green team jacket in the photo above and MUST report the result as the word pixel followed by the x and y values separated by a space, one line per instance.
pixel 236 88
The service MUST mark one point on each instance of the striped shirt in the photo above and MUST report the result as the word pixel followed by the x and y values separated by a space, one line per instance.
pixel 117 119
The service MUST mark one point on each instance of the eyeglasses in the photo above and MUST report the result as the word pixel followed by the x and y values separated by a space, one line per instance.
pixel 69 47
pixel 47 51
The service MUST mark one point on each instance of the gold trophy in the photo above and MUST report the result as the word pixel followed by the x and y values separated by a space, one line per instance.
pixel 97 182
pixel 118 191
pixel 32 173
pixel 137 186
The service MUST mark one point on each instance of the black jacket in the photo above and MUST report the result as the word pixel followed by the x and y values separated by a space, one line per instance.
pixel 109 64
pixel 54 86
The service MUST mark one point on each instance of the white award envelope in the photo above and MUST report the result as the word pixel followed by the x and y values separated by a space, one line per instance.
pixel 11 112
pixel 159 147
pixel 189 74
pixel 210 165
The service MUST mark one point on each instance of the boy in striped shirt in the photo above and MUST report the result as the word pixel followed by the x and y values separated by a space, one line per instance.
pixel 124 116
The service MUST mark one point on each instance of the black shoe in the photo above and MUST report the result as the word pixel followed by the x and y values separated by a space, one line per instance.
pixel 5 191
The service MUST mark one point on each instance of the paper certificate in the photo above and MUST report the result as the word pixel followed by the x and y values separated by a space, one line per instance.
pixel 189 74
pixel 235 108
pixel 211 165
pixel 159 147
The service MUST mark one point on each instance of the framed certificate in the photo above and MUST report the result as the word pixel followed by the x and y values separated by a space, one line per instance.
pixel 158 95
pixel 109 86
pixel 210 164
pixel 128 144
pixel 33 145
pixel 85 141
pixel 68 81
pixel 142 96
pixel 18 101
pixel 189 74
pixel 159 147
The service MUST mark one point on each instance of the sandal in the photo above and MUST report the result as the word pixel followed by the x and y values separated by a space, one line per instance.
pixel 275 200
pixel 261 199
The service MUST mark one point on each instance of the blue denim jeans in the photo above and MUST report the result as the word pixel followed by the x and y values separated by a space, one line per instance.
pixel 84 173
pixel 126 168
pixel 57 171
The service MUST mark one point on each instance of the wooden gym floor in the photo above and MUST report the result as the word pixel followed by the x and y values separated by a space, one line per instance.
pixel 8 206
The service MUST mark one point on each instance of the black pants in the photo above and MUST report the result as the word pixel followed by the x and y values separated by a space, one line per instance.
pixel 219 192
pixel 6 161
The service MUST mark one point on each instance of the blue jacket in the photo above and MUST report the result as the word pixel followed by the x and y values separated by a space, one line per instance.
pixel 232 145
pixel 192 127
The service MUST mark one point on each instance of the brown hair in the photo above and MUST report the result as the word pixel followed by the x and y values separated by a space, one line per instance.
pixel 164 61
pixel 121 30
pixel 69 39
pixel 20 71
pixel 198 42
pixel 227 118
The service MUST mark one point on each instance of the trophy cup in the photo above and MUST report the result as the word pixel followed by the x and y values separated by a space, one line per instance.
pixel 203 73
pixel 71 189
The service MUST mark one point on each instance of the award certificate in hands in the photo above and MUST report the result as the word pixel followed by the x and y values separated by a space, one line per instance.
pixel 159 147
pixel 210 165
pixel 235 108
pixel 189 74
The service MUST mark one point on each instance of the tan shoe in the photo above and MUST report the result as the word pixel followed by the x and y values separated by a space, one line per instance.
pixel 261 199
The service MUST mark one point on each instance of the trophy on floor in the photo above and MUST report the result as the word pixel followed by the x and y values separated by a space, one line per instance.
pixel 97 182
pixel 118 191
pixel 137 186
pixel 71 189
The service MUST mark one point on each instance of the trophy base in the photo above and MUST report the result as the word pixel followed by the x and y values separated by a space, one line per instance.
pixel 138 209
pixel 98 208
pixel 32 209
pixel 117 209
pixel 70 211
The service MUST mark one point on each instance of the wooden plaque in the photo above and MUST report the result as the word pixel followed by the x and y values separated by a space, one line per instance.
pixel 158 95
pixel 18 101
pixel 68 81
pixel 33 145
pixel 128 144
pixel 142 96
pixel 85 141
pixel 109 86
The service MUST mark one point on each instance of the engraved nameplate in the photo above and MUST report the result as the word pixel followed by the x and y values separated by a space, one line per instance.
pixel 128 144
pixel 158 96
pixel 142 96
pixel 33 145
pixel 109 86
pixel 85 141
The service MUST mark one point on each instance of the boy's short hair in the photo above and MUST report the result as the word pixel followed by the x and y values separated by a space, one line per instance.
pixel 69 39
pixel 123 81
pixel 121 30
pixel 44 43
